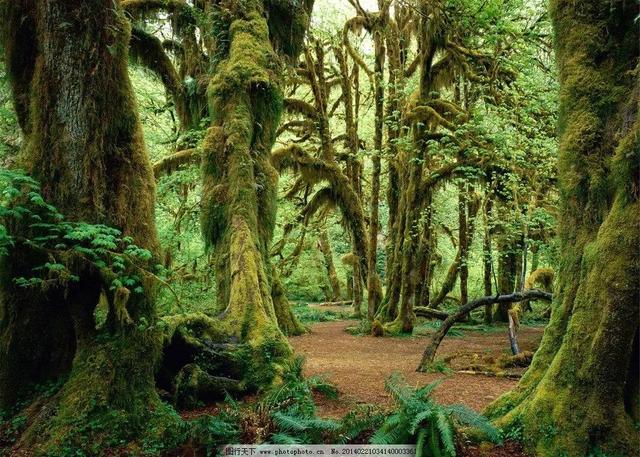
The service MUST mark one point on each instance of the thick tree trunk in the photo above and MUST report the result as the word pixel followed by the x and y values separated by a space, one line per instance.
pixel 240 183
pixel 579 380
pixel 83 142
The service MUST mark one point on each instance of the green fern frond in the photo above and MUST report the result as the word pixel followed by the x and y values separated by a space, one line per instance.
pixel 290 423
pixel 399 390
pixel 445 430
pixel 283 438
pixel 415 422
pixel 322 425
pixel 422 437
pixel 466 416
pixel 425 391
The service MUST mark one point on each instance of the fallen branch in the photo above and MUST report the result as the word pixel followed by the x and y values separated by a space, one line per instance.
pixel 431 313
pixel 430 351
pixel 491 374
pixel 333 303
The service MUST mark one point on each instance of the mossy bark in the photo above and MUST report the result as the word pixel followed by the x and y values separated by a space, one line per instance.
pixel 374 288
pixel 487 261
pixel 580 393
pixel 240 183
pixel 509 262
pixel 83 142
pixel 327 253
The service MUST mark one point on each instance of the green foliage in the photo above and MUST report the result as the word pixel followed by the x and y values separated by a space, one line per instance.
pixel 285 414
pixel 66 244
pixel 306 314
pixel 419 420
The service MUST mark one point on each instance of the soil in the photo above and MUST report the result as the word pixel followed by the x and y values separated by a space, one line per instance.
pixel 359 365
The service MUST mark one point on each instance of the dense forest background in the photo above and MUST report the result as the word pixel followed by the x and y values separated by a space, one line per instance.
pixel 188 185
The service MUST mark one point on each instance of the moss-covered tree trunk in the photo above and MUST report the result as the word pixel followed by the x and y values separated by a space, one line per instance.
pixel 240 184
pixel 83 142
pixel 508 266
pixel 374 289
pixel 487 262
pixel 581 393
pixel 327 253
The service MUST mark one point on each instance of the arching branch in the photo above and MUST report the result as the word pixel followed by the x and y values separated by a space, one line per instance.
pixel 430 351
pixel 296 106
pixel 137 8
pixel 351 25
pixel 149 52
pixel 172 162
pixel 313 170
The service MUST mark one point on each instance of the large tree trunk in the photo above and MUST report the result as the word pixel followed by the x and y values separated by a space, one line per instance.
pixel 83 142
pixel 582 383
pixel 374 288
pixel 240 184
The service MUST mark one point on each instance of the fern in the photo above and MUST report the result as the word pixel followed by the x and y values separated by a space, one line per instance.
pixel 419 420
pixel 69 246
pixel 283 438
pixel 468 417
pixel 289 423
pixel 445 431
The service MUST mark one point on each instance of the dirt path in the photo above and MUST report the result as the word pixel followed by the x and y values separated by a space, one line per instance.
pixel 358 365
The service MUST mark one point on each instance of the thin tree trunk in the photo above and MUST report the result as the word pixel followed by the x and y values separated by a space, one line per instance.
pixel 464 244
pixel 431 349
pixel 487 260
pixel 327 253
pixel 374 290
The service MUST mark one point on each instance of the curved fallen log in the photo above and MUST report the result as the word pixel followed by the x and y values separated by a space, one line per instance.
pixel 430 351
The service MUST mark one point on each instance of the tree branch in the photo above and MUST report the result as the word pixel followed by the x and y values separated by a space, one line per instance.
pixel 430 351
pixel 172 162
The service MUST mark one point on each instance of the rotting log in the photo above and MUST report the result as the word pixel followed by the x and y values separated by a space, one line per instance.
pixel 430 351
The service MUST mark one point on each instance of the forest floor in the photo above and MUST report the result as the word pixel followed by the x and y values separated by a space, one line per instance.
pixel 359 365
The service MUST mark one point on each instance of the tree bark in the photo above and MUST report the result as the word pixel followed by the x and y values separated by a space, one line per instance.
pixel 240 183
pixel 325 248
pixel 374 289
pixel 83 142
pixel 487 259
